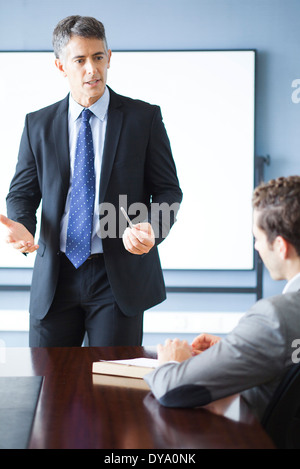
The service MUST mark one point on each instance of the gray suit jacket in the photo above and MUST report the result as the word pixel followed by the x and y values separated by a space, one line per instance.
pixel 251 360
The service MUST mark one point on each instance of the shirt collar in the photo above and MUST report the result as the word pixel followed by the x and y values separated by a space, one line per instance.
pixel 99 108
pixel 293 284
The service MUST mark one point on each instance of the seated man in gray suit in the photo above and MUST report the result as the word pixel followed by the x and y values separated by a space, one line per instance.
pixel 253 358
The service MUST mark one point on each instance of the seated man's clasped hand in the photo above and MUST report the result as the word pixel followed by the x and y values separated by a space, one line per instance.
pixel 180 350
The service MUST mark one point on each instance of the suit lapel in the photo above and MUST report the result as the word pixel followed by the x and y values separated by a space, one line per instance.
pixel 61 139
pixel 113 130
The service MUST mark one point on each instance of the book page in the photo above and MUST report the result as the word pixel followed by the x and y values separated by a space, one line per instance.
pixel 145 362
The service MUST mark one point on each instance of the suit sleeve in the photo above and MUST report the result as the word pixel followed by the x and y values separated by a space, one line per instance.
pixel 24 194
pixel 252 354
pixel 161 179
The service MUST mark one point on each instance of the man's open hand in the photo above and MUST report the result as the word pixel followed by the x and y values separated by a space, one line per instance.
pixel 18 236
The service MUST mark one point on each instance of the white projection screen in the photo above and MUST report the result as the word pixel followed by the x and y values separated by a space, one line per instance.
pixel 207 99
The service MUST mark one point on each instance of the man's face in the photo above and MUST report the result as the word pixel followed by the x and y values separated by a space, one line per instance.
pixel 85 62
pixel 269 253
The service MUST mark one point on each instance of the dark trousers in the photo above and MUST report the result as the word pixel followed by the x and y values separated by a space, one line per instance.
pixel 84 303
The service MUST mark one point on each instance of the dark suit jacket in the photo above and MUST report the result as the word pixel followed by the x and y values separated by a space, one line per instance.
pixel 137 162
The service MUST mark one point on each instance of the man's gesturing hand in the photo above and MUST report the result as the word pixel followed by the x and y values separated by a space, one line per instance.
pixel 139 239
pixel 18 236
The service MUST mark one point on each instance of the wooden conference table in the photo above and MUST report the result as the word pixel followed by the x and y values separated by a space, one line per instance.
pixel 75 410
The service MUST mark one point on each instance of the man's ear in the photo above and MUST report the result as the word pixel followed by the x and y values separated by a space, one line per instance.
pixel 282 246
pixel 108 57
pixel 60 67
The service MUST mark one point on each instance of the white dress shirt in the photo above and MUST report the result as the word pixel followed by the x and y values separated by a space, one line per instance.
pixel 293 284
pixel 98 125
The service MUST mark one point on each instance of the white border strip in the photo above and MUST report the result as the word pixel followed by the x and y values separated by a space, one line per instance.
pixel 14 320
pixel 190 322
pixel 154 322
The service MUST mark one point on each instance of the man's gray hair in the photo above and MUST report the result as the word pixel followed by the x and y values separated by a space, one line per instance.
pixel 84 26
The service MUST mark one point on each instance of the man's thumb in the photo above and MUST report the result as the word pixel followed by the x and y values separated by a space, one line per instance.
pixel 5 221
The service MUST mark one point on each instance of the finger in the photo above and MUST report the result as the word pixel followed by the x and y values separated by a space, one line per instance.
pixel 137 247
pixel 28 249
pixel 24 246
pixel 185 343
pixel 168 342
pixel 23 250
pixel 177 341
pixel 144 235
pixel 133 247
pixel 204 341
pixel 144 227
pixel 32 249
pixel 201 344
pixel 17 244
pixel 5 221
pixel 132 250
pixel 160 350
pixel 132 244
pixel 199 339
pixel 140 236
pixel 141 243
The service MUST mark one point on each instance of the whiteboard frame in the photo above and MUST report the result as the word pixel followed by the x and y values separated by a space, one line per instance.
pixel 176 51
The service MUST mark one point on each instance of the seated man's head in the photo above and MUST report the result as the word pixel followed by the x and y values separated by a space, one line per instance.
pixel 276 225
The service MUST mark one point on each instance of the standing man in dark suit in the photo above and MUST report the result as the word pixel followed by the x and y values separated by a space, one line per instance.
pixel 88 278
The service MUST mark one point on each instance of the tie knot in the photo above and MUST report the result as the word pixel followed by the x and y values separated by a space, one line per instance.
pixel 86 115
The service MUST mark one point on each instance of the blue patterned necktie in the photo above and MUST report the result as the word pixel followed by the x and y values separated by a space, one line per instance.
pixel 80 225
